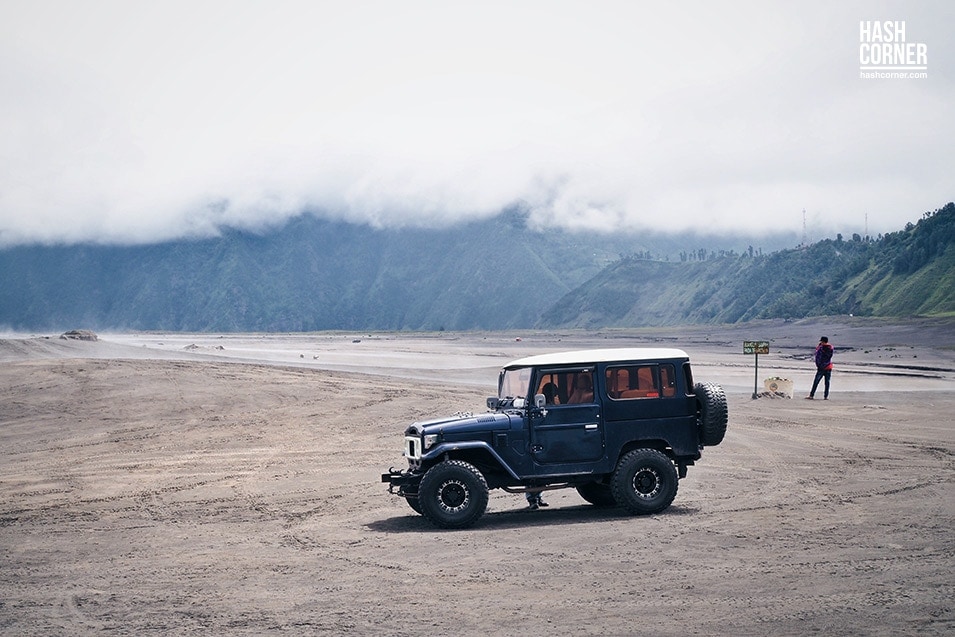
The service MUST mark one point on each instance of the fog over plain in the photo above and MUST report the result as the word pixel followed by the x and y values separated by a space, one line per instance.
pixel 133 122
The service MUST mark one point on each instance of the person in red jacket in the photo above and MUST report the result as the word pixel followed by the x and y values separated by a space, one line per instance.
pixel 823 367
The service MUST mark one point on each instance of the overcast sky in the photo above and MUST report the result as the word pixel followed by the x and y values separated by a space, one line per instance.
pixel 133 121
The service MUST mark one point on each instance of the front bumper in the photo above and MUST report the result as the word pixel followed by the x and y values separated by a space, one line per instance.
pixel 403 483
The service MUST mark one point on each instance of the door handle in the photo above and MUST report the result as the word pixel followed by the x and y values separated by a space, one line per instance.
pixel 591 427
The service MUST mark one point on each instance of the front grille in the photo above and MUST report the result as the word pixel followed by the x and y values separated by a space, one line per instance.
pixel 412 447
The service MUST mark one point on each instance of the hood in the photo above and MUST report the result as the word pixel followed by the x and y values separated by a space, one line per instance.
pixel 465 423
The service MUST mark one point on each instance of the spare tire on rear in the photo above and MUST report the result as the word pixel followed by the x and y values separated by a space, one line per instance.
pixel 713 414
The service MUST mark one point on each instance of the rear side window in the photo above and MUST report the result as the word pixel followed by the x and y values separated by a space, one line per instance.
pixel 631 382
pixel 688 378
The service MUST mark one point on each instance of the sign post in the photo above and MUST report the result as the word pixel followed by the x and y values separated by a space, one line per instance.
pixel 756 348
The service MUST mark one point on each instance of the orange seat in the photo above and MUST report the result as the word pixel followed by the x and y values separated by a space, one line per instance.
pixel 639 393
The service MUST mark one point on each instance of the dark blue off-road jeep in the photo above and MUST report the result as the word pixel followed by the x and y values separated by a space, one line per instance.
pixel 619 425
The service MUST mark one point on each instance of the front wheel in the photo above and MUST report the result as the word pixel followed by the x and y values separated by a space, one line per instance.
pixel 644 482
pixel 453 494
pixel 413 503
pixel 411 497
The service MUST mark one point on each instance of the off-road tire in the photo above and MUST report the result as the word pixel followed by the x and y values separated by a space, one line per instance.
pixel 597 494
pixel 453 494
pixel 712 413
pixel 414 504
pixel 411 497
pixel 644 482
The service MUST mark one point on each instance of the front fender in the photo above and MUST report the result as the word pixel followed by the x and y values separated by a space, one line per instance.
pixel 451 447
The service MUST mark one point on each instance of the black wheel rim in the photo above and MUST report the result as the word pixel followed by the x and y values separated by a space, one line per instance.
pixel 453 496
pixel 647 483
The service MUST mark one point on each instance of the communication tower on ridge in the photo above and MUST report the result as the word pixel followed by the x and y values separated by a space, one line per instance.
pixel 805 236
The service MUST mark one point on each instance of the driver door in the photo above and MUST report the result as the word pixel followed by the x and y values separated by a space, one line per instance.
pixel 569 430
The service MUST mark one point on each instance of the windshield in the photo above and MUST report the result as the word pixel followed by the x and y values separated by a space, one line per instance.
pixel 514 383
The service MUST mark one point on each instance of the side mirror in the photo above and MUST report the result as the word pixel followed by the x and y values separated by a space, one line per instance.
pixel 493 402
pixel 540 401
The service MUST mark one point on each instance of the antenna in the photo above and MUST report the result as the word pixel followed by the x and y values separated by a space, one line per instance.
pixel 867 225
pixel 805 239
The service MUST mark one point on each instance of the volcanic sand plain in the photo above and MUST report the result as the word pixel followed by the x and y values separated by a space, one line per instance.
pixel 230 484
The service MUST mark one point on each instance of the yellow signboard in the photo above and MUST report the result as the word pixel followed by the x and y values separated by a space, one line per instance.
pixel 756 347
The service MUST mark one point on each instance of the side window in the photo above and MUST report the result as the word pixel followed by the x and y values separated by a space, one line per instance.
pixel 688 376
pixel 641 381
pixel 668 380
pixel 583 388
pixel 618 381
pixel 548 384
pixel 566 387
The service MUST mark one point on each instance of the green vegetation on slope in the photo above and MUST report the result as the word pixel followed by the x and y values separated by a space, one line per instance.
pixel 906 273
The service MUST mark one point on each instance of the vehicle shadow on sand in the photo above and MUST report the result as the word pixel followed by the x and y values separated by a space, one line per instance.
pixel 523 517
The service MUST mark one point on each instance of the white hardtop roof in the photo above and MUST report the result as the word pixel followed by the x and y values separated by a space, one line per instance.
pixel 587 356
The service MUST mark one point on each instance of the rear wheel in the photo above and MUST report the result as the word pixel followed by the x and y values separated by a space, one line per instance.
pixel 644 482
pixel 597 494
pixel 453 494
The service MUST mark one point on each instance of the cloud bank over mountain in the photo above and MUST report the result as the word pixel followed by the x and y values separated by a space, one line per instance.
pixel 132 122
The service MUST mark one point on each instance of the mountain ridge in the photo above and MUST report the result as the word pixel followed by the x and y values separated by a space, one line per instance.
pixel 906 273
pixel 316 274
